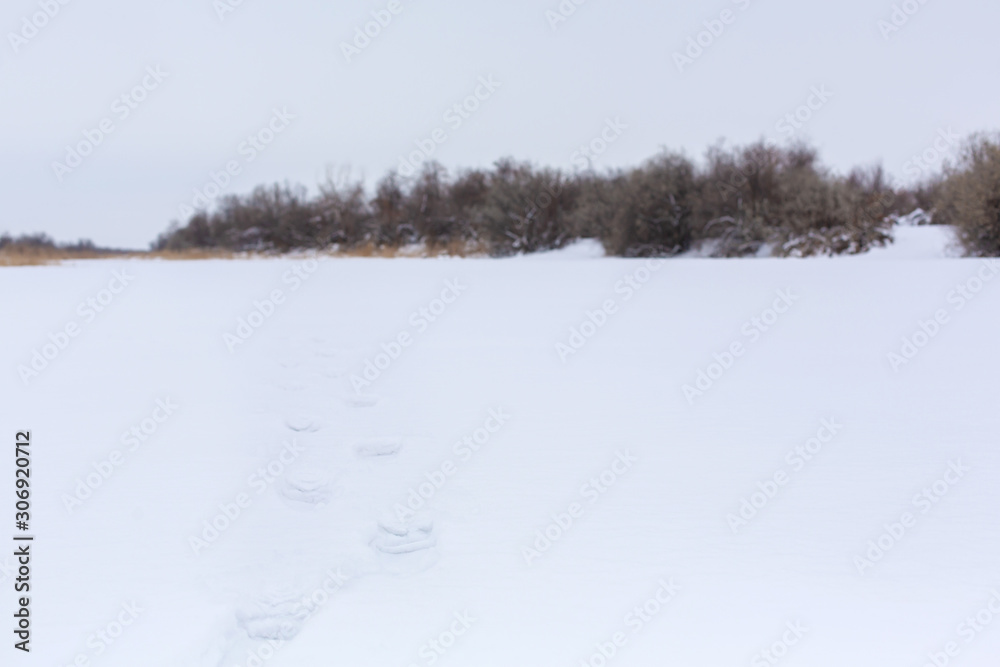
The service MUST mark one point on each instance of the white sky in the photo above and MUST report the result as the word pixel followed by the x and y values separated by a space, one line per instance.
pixel 610 59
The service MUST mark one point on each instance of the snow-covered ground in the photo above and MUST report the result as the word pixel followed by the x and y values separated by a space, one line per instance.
pixel 509 462
pixel 918 242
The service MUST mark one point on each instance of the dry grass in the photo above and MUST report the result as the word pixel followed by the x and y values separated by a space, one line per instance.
pixel 366 250
pixel 458 249
pixel 191 254
pixel 38 256
pixel 450 249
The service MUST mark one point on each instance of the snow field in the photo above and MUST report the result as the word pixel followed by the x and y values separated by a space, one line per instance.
pixel 361 530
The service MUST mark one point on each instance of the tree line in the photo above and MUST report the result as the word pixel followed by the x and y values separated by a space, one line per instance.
pixel 740 201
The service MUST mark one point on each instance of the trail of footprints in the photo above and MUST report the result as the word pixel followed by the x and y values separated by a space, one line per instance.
pixel 397 547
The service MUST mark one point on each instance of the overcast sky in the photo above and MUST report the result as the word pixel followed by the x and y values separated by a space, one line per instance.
pixel 226 69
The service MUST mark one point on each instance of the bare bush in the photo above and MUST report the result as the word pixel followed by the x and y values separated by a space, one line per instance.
pixel 969 196
pixel 746 200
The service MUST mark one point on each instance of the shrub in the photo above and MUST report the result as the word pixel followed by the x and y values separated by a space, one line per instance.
pixel 526 210
pixel 743 201
pixel 650 208
pixel 969 196
pixel 762 196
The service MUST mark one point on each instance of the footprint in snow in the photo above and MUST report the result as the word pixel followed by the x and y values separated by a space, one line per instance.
pixel 277 615
pixel 361 400
pixel 303 423
pixel 396 537
pixel 377 447
pixel 308 486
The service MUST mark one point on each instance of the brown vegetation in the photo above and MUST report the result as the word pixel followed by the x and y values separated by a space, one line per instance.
pixel 745 198
pixel 968 196
pixel 742 201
